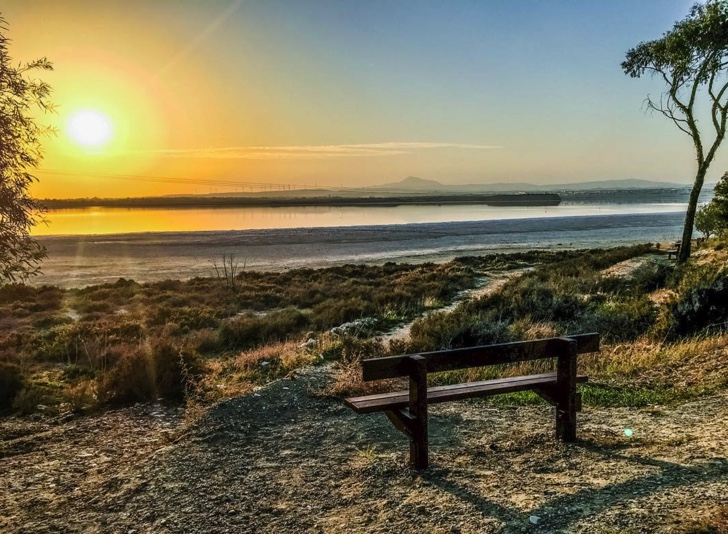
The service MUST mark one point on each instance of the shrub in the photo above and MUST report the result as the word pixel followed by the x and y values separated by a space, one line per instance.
pixel 650 276
pixel 702 301
pixel 532 298
pixel 271 361
pixel 129 380
pixel 86 341
pixel 453 330
pixel 80 395
pixel 29 398
pixel 15 292
pixel 333 312
pixel 248 331
pixel 189 318
pixel 175 371
pixel 11 383
pixel 205 341
pixel 625 320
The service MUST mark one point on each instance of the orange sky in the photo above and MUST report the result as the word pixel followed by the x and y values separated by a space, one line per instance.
pixel 342 94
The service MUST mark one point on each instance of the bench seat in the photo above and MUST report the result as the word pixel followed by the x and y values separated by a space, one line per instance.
pixel 400 399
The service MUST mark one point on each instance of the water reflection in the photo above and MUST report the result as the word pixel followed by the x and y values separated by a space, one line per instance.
pixel 129 220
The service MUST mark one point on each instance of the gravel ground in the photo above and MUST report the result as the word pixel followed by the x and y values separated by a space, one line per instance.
pixel 285 459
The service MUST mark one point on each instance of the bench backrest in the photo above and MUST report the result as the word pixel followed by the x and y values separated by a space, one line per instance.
pixel 449 360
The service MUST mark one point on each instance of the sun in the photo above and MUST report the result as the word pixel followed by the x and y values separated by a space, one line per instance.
pixel 89 128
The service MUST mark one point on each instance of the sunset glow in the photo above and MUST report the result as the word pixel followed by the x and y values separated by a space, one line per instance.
pixel 89 129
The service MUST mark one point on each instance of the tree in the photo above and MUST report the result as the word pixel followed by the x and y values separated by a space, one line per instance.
pixel 20 153
pixel 692 60
pixel 720 200
pixel 708 220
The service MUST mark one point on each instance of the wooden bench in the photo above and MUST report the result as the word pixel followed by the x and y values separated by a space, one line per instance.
pixel 675 251
pixel 407 410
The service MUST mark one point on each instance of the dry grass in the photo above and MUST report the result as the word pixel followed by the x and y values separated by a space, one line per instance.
pixel 284 356
pixel 692 366
pixel 240 374
pixel 348 382
pixel 686 363
pixel 713 521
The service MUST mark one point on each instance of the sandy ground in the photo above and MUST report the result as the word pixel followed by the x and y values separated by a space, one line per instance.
pixel 82 260
pixel 287 459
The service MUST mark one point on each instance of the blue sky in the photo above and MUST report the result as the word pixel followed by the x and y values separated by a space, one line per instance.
pixel 539 83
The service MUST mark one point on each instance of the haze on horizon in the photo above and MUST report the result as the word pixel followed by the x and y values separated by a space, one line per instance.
pixel 345 94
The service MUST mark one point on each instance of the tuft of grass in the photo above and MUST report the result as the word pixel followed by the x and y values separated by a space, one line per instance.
pixel 628 396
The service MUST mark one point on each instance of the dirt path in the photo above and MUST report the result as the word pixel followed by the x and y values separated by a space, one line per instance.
pixel 486 286
pixel 283 460
pixel 625 268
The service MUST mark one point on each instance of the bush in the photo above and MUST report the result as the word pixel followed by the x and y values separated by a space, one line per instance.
pixel 650 276
pixel 11 383
pixel 84 340
pixel 702 301
pixel 130 379
pixel 333 312
pixel 189 318
pixel 534 299
pixel 625 320
pixel 249 331
pixel 176 371
pixel 454 330
pixel 80 395
pixel 29 398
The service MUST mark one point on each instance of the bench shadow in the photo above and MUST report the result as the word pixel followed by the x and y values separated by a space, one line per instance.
pixel 573 507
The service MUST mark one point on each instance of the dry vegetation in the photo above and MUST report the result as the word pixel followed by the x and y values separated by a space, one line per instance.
pixel 656 350
pixel 205 339
pixel 202 340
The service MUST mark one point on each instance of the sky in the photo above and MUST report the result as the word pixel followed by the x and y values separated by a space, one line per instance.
pixel 176 96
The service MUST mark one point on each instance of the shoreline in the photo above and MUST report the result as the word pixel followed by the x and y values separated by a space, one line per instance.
pixel 333 200
pixel 80 260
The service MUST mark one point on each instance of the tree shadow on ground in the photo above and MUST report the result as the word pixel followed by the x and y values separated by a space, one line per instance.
pixel 576 506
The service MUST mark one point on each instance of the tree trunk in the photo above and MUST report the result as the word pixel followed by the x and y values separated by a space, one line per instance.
pixel 687 236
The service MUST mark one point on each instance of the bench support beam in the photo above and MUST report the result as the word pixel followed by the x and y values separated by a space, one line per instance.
pixel 550 395
pixel 401 420
pixel 418 412
pixel 565 393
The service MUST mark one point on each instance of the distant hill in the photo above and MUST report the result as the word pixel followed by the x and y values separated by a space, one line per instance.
pixel 421 185
pixel 413 183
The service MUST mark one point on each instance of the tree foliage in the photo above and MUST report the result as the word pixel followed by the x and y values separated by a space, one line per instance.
pixel 20 153
pixel 692 60
pixel 708 220
pixel 720 199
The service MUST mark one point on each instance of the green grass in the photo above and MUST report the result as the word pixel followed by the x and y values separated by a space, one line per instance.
pixel 603 396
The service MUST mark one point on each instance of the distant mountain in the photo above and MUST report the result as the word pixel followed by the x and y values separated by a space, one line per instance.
pixel 413 183
pixel 420 185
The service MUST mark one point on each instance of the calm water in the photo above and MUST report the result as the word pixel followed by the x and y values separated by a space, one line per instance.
pixel 90 221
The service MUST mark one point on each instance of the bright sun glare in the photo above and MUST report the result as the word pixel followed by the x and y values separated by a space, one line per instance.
pixel 89 128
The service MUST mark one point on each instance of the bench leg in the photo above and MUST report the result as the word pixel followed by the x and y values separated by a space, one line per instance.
pixel 418 413
pixel 566 396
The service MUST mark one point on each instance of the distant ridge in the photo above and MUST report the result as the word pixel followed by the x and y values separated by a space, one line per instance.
pixel 421 185
pixel 413 182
